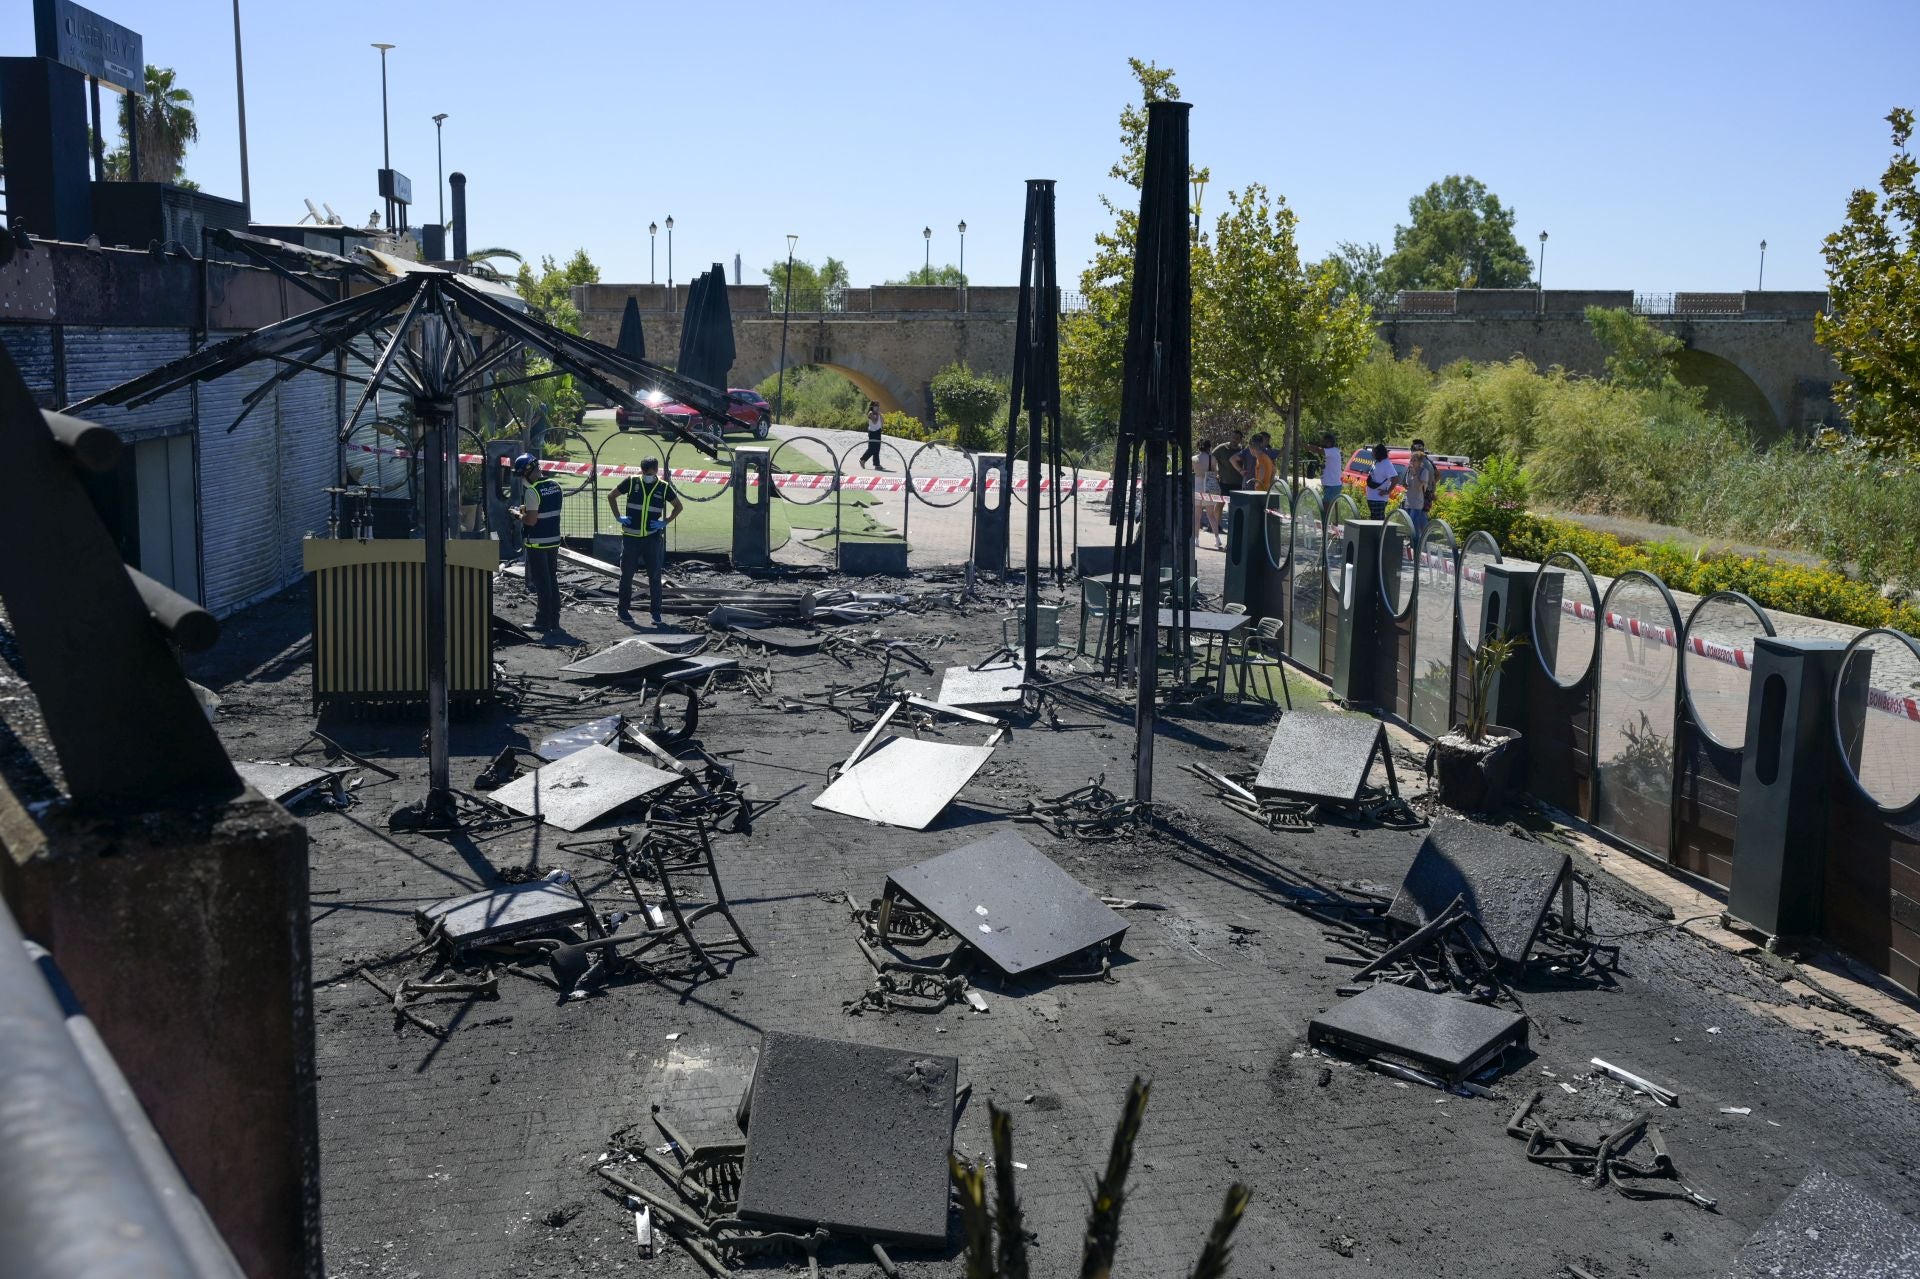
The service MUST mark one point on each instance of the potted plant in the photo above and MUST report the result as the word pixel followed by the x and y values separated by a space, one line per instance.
pixel 1476 765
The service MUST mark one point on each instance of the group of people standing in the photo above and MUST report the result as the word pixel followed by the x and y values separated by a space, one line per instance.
pixel 1225 467
pixel 1231 465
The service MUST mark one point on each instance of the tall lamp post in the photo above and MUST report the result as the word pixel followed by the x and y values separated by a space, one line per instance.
pixel 1761 287
pixel 1541 272
pixel 386 145
pixel 440 169
pixel 653 233
pixel 963 251
pixel 669 250
pixel 926 267
pixel 1199 187
pixel 786 313
pixel 240 96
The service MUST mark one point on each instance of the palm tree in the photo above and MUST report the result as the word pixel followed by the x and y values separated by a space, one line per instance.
pixel 480 261
pixel 165 124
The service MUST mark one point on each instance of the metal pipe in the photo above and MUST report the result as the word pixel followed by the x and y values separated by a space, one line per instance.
pixel 240 94
pixel 92 447
pixel 185 622
pixel 85 1183
pixel 457 183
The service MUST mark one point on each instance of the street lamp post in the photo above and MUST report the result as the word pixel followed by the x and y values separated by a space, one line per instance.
pixel 1542 273
pixel 669 250
pixel 440 169
pixel 963 251
pixel 1198 184
pixel 653 234
pixel 1762 286
pixel 786 313
pixel 386 144
pixel 240 96
pixel 926 268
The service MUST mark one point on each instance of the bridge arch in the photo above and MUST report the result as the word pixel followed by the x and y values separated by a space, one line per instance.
pixel 877 383
pixel 1731 389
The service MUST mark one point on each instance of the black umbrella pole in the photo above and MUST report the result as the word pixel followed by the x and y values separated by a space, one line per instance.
pixel 433 449
pixel 1030 654
pixel 1146 649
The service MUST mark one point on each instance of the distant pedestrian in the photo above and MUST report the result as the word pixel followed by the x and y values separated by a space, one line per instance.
pixel 539 517
pixel 1381 476
pixel 871 457
pixel 1206 493
pixel 652 504
pixel 1422 479
pixel 1332 474
pixel 1224 466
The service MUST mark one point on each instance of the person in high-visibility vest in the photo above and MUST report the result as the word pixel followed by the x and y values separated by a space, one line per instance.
pixel 540 518
pixel 651 505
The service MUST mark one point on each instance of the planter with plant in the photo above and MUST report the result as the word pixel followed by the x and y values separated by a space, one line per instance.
pixel 1477 765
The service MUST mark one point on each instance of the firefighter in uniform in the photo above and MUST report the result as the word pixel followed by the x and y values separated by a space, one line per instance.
pixel 540 517
pixel 651 505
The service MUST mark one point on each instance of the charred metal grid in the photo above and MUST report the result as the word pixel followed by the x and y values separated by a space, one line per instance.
pixel 1506 884
pixel 1010 902
pixel 850 1137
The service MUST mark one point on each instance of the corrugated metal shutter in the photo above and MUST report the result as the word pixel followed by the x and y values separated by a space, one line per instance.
pixel 98 358
pixel 31 348
pixel 308 463
pixel 385 472
pixel 240 558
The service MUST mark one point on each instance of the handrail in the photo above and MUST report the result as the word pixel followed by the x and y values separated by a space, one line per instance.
pixel 86 1186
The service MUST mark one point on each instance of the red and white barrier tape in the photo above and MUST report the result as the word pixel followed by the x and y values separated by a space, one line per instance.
pixel 781 479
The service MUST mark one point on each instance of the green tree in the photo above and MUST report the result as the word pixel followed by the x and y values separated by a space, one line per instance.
pixel 1638 355
pixel 1358 270
pixel 814 288
pixel 1381 400
pixel 481 261
pixel 1459 236
pixel 164 125
pixel 1269 331
pixel 933 275
pixel 1872 327
pixel 548 291
pixel 548 297
pixel 971 404
pixel 1093 341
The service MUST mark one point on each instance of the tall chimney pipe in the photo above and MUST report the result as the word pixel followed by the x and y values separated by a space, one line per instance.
pixel 458 181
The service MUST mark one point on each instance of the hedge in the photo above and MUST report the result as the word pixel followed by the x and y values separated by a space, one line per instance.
pixel 1785 588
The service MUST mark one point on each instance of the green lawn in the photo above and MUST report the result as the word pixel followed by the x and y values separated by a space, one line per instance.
pixel 706 526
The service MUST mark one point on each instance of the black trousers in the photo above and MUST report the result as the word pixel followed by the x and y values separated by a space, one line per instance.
pixel 543 577
pixel 651 552
pixel 871 454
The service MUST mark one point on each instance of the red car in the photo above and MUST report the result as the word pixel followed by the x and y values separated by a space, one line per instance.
pixel 1452 470
pixel 746 405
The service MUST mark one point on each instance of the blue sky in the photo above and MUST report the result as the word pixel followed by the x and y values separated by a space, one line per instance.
pixel 1656 143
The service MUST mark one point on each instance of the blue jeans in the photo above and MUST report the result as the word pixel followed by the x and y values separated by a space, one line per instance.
pixel 635 552
pixel 1419 519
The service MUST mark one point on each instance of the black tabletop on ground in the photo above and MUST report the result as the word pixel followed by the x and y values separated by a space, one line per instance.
pixel 1129 583
pixel 1210 623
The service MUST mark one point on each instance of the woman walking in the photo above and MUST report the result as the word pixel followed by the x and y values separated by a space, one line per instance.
pixel 871 456
pixel 1206 492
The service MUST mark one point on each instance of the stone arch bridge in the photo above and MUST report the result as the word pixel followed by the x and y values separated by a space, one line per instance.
pixel 1754 352
pixel 889 340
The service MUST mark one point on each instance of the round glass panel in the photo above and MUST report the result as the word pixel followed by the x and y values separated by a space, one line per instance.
pixel 1399 577
pixel 1876 709
pixel 1716 665
pixel 1480 551
pixel 1437 577
pixel 1565 613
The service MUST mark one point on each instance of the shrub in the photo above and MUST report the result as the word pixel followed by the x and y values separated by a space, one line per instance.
pixel 1494 501
pixel 970 405
pixel 1485 409
pixel 1604 447
pixel 907 427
